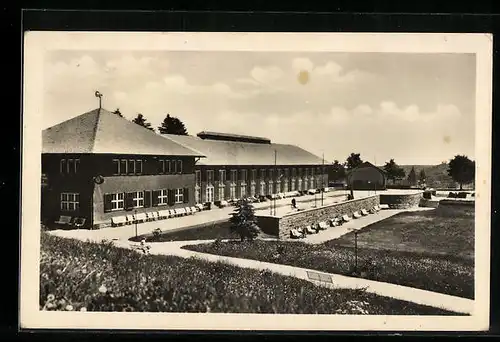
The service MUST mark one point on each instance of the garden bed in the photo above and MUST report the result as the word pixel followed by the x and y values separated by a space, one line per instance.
pixel 431 250
pixel 85 276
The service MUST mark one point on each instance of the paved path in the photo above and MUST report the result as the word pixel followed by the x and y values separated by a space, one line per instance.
pixel 199 218
pixel 356 224
pixel 422 297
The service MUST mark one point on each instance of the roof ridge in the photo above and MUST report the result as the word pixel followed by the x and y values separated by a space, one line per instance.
pixel 94 129
pixel 179 143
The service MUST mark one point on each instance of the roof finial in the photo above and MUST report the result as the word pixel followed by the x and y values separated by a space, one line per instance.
pixel 99 95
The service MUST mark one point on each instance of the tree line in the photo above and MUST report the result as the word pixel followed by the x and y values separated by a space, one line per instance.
pixel 169 125
pixel 461 169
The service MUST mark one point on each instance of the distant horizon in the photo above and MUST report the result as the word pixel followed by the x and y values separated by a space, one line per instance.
pixel 413 108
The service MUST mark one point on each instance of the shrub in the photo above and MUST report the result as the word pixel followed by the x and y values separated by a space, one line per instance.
pixel 243 220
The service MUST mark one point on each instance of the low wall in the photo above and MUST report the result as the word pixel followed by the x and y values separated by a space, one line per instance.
pixel 268 224
pixel 314 215
pixel 401 201
pixel 458 201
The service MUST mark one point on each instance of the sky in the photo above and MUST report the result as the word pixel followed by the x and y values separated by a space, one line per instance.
pixel 418 109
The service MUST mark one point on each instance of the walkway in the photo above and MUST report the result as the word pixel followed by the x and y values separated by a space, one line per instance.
pixel 409 294
pixel 204 217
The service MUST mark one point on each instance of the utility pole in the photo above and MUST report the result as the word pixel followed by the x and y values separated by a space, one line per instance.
pixel 276 185
pixel 322 178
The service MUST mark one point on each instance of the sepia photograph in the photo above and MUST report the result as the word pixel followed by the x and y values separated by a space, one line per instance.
pixel 256 181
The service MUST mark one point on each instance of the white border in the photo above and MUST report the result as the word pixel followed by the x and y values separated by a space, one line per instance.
pixel 38 43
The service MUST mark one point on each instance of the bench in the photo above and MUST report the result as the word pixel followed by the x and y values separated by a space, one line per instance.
pixel 199 207
pixel 163 214
pixel 322 225
pixel 79 222
pixel 346 218
pixel 118 221
pixel 130 218
pixel 141 217
pixel 334 222
pixel 153 215
pixel 64 220
pixel 295 234
pixel 311 230
pixel 357 215
pixel 364 212
pixel 384 206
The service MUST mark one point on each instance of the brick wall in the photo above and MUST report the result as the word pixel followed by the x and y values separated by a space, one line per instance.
pixel 401 201
pixel 314 215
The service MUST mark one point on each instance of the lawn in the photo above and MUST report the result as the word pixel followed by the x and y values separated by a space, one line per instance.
pixel 210 231
pixel 85 276
pixel 430 250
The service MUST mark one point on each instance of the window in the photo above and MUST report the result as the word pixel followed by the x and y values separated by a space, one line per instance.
pixel 197 176
pixel 262 174
pixel 294 172
pixel 179 166
pixel 70 201
pixel 69 165
pixel 222 176
pixel 243 175
pixel 234 177
pixel 210 176
pixel 131 167
pixel 232 192
pixel 138 199
pixel 253 176
pixel 243 191
pixel 270 188
pixel 221 193
pixel 197 195
pixel 172 168
pixel 270 173
pixel 163 197
pixel 116 166
pixel 179 195
pixel 138 167
pixel 117 201
pixel 168 166
pixel 123 167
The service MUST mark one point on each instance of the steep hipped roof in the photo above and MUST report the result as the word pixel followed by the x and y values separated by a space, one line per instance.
pixel 100 131
pixel 219 152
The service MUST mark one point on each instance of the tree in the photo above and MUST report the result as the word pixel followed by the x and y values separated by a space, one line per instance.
pixel 394 171
pixel 412 176
pixel 337 171
pixel 172 125
pixel 422 176
pixel 462 170
pixel 141 121
pixel 243 221
pixel 117 112
pixel 353 161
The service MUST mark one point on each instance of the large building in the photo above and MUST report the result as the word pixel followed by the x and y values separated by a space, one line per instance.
pixel 367 177
pixel 98 165
pixel 237 165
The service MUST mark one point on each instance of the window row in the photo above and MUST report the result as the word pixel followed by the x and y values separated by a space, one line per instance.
pixel 135 166
pixel 69 166
pixel 242 175
pixel 127 166
pixel 145 199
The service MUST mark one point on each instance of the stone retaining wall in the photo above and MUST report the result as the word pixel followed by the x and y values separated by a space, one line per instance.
pixel 314 215
pixel 401 201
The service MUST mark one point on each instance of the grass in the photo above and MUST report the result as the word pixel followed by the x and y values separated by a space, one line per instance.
pixel 430 250
pixel 85 276
pixel 210 231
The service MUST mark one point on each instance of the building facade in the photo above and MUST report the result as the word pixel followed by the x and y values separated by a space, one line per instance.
pixel 367 177
pixel 236 166
pixel 99 165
